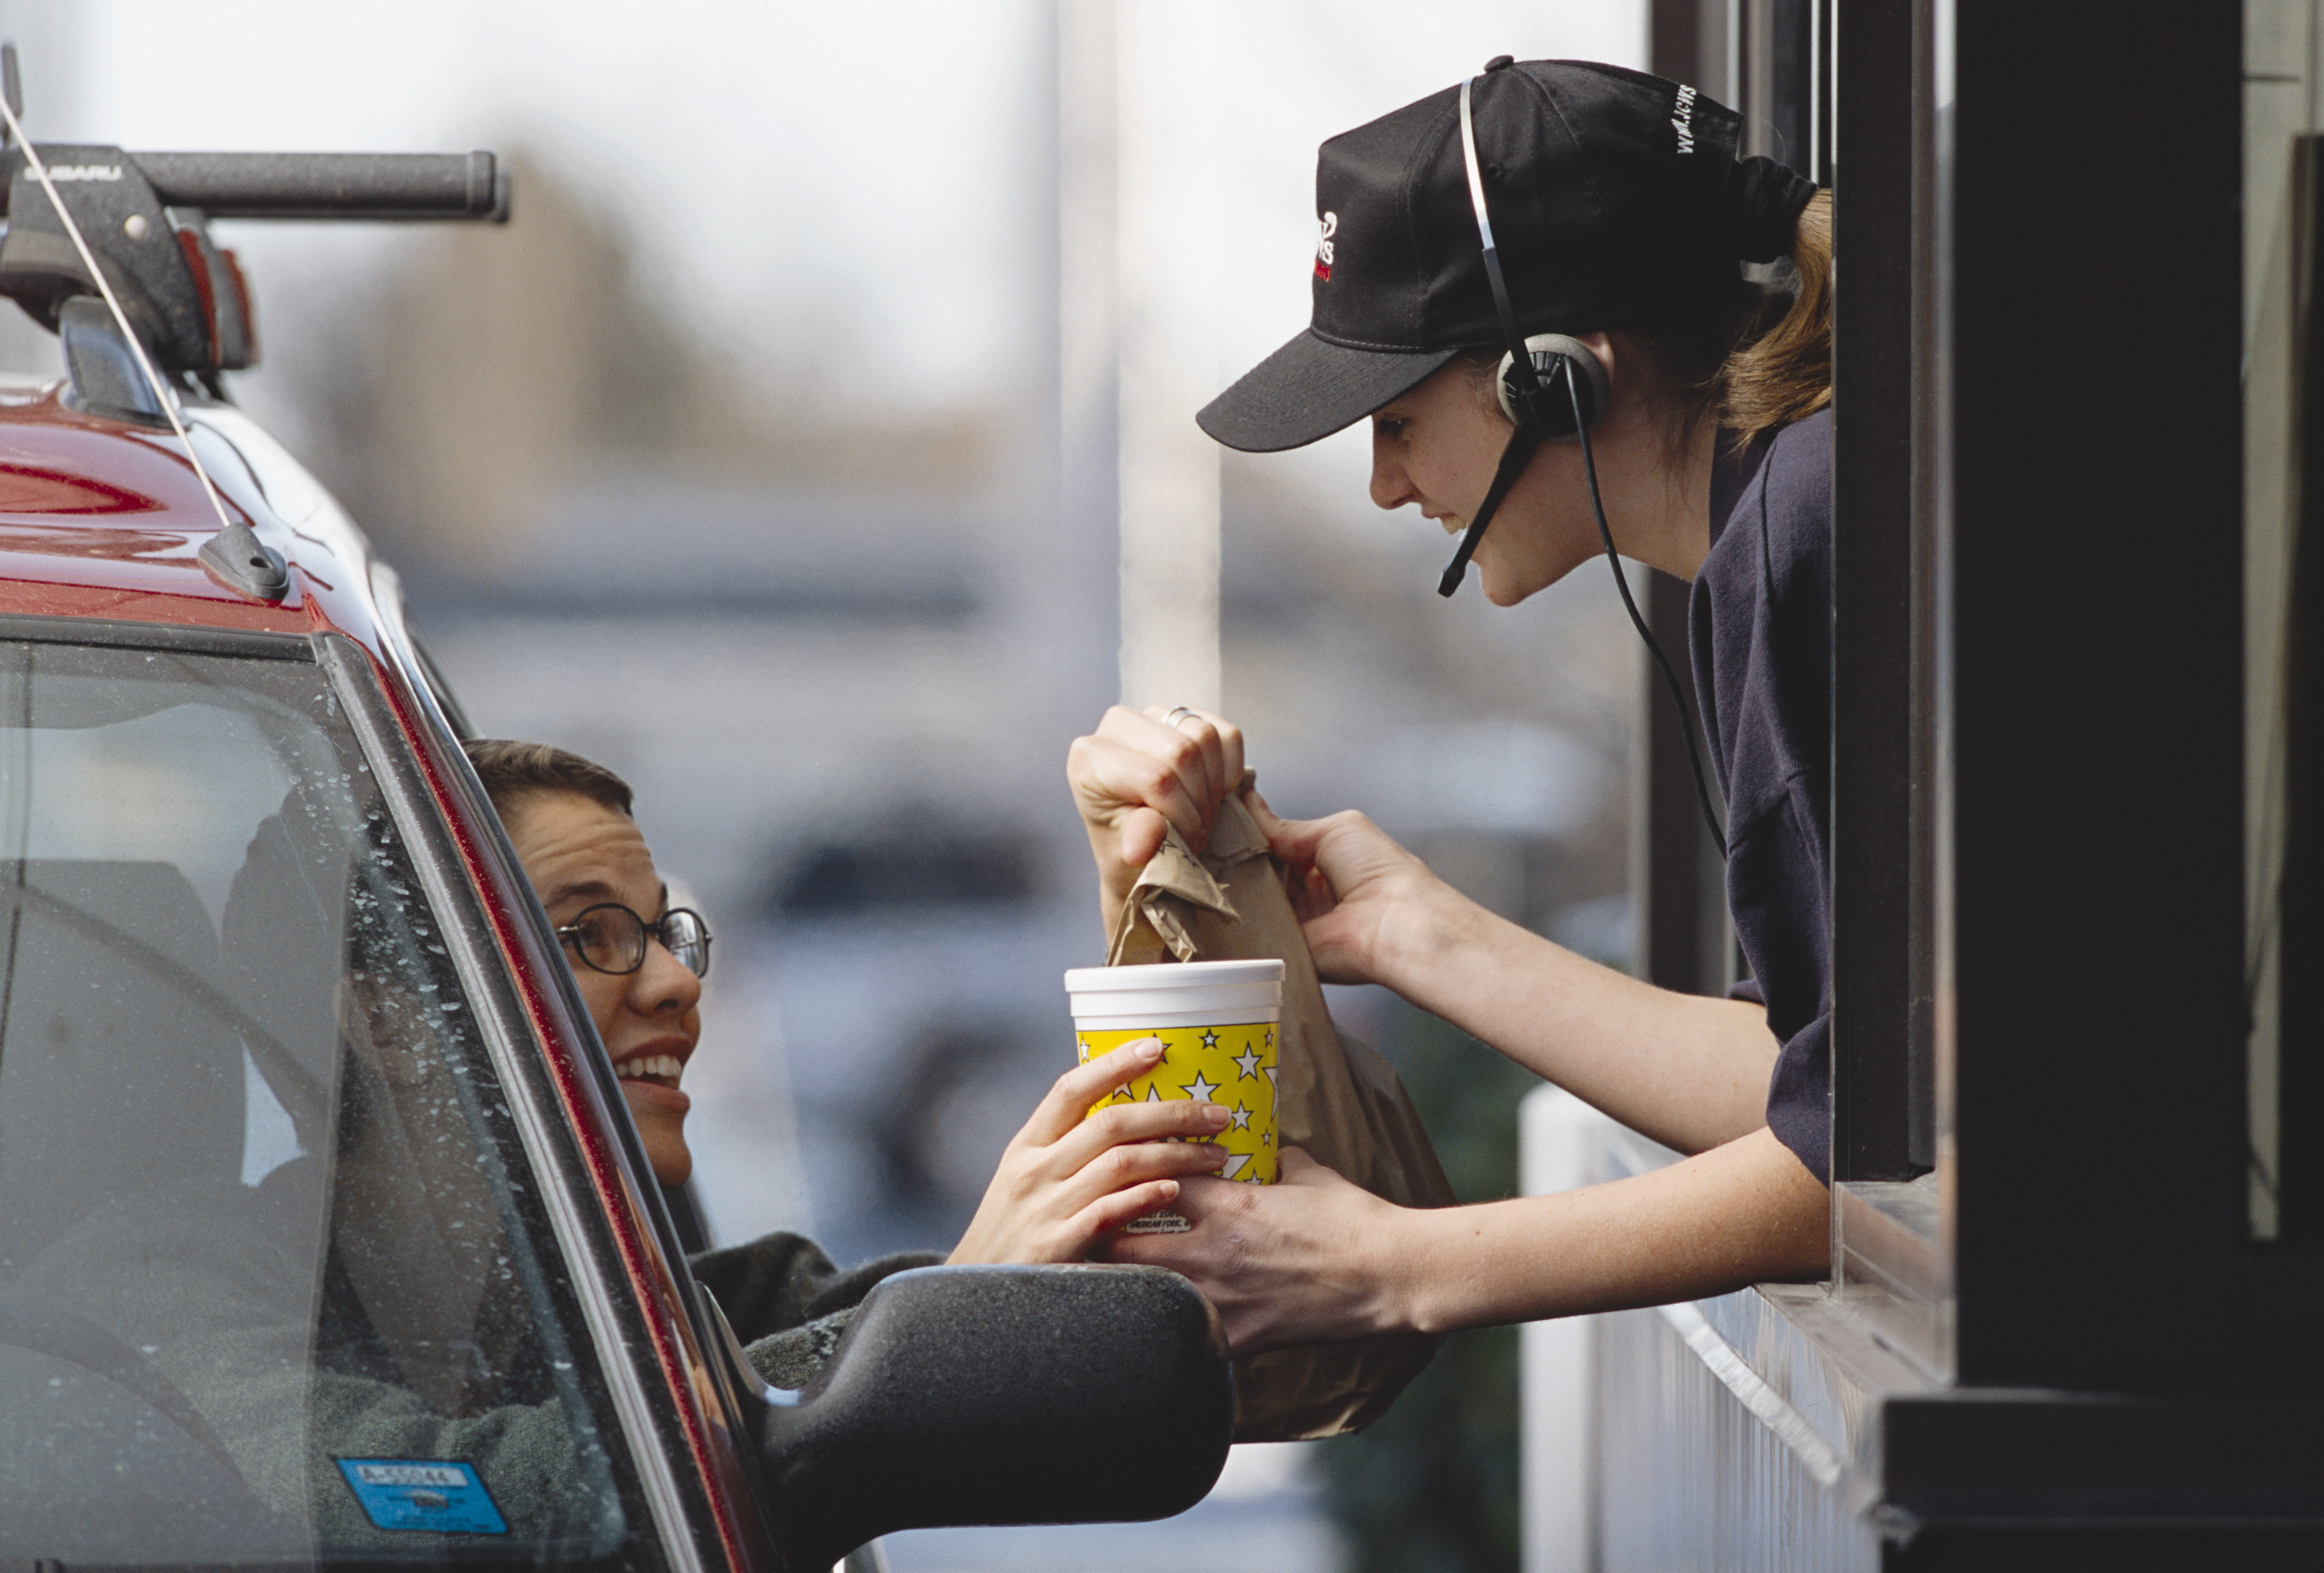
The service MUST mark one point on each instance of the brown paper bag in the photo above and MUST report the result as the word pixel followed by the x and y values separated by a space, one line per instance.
pixel 1336 1099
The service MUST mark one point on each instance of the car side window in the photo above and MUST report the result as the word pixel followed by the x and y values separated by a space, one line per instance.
pixel 274 1280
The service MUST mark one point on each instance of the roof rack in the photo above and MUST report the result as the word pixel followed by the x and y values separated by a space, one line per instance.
pixel 146 216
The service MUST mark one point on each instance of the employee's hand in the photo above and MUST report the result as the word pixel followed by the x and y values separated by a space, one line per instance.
pixel 1363 901
pixel 1064 1183
pixel 1138 772
pixel 1309 1259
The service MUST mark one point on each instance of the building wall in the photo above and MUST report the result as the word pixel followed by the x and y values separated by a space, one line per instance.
pixel 1691 1477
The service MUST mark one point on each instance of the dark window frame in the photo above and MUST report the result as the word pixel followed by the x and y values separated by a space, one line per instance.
pixel 2038 764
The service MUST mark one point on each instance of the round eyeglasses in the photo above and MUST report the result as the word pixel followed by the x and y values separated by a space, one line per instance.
pixel 611 938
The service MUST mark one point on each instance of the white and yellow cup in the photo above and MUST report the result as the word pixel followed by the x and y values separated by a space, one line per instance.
pixel 1220 1024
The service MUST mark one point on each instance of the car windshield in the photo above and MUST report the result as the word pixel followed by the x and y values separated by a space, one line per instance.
pixel 275 1283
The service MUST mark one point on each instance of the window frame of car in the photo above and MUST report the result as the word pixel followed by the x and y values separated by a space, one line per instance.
pixel 610 1208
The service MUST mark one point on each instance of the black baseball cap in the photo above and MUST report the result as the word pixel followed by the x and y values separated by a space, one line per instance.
pixel 1615 200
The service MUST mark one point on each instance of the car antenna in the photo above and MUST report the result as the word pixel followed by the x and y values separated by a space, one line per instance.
pixel 235 553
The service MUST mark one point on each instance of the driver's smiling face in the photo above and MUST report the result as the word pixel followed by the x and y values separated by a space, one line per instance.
pixel 578 854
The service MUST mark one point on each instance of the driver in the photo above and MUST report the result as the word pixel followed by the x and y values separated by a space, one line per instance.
pixel 1063 1185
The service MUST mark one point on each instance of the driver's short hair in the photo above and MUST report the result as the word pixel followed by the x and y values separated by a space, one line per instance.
pixel 513 771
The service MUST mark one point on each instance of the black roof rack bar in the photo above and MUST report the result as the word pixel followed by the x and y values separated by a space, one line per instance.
pixel 357 186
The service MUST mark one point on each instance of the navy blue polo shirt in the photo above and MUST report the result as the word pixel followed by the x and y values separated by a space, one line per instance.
pixel 1760 628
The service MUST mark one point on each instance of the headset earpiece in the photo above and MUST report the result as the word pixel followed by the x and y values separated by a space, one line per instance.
pixel 1556 356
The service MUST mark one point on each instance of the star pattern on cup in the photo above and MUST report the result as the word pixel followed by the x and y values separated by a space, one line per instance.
pixel 1198 1089
pixel 1247 1063
pixel 1241 1114
pixel 1234 1166
pixel 1210 1039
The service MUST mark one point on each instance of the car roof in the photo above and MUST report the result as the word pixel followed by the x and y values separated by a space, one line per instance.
pixel 104 518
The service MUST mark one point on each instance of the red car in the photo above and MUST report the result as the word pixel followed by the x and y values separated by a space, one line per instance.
pixel 325 1236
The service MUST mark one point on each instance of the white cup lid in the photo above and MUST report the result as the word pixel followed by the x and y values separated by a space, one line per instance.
pixel 1171 975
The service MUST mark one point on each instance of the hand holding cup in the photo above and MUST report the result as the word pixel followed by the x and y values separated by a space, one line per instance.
pixel 1070 1178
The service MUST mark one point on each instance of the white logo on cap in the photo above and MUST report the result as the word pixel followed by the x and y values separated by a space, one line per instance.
pixel 1324 247
pixel 1682 118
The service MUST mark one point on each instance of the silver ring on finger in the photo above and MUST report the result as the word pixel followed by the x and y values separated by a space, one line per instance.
pixel 1177 715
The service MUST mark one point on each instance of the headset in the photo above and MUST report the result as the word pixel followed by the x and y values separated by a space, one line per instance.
pixel 1533 373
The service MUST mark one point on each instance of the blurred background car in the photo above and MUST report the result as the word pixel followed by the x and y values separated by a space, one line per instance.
pixel 809 371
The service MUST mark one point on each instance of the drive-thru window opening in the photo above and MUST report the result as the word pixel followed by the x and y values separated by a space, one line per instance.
pixel 2079 1063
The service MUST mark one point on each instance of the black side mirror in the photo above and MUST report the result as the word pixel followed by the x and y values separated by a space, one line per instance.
pixel 1003 1395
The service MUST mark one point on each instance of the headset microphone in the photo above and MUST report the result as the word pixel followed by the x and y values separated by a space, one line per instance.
pixel 1529 374
pixel 1532 375
pixel 1562 392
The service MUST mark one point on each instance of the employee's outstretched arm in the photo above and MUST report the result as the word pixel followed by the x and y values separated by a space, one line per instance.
pixel 1688 1071
pixel 1315 1258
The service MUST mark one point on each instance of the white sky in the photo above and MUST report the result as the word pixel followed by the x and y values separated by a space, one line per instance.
pixel 865 180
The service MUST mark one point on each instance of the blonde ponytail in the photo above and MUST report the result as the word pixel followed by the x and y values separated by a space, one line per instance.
pixel 1785 373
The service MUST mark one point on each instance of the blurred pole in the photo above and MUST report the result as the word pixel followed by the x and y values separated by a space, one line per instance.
pixel 1167 151
pixel 1558 1136
pixel 1085 577
pixel 50 43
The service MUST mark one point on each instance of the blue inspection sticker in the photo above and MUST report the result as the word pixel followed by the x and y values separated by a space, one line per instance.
pixel 423 1494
